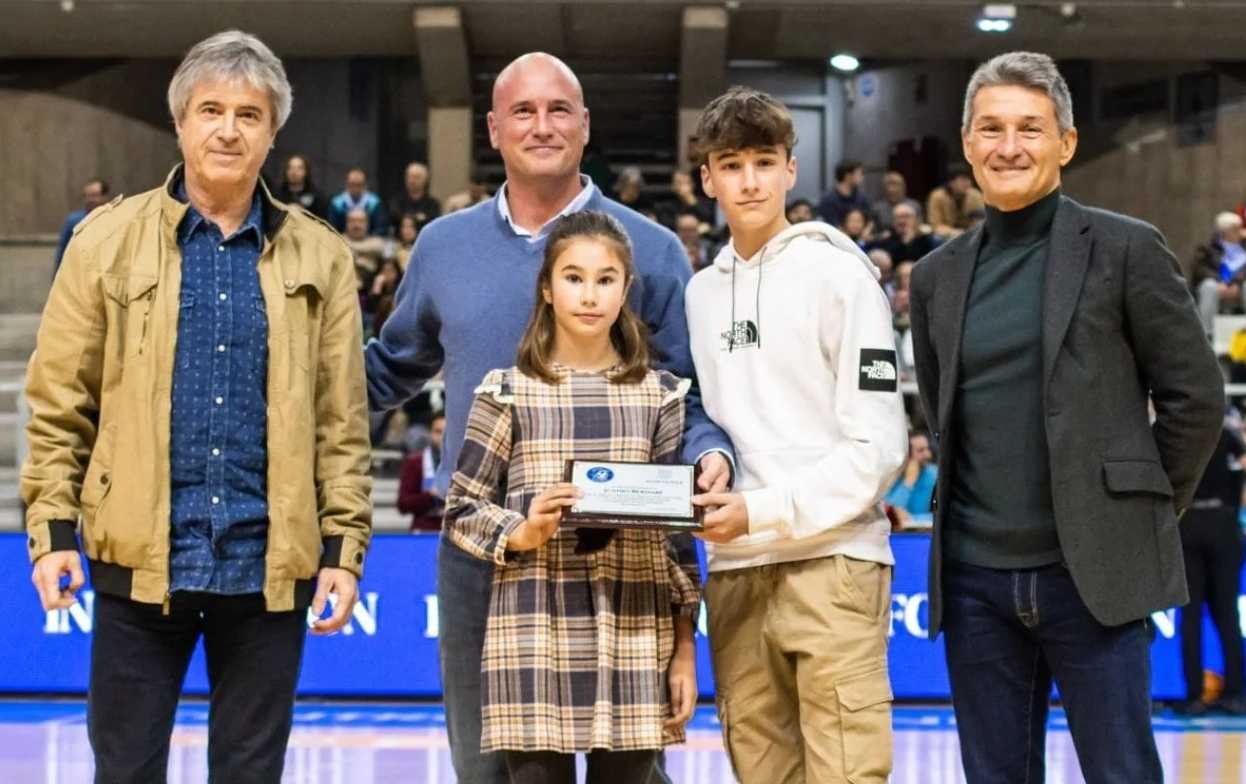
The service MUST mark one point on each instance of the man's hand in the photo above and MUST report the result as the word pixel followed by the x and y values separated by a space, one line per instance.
pixel 727 521
pixel 47 578
pixel 715 473
pixel 345 586
pixel 544 516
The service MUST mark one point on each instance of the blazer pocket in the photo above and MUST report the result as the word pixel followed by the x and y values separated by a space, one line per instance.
pixel 1136 476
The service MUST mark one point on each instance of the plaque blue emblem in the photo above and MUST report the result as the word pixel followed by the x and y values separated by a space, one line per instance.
pixel 600 474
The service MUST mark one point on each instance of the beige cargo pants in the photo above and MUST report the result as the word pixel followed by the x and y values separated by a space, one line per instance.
pixel 800 669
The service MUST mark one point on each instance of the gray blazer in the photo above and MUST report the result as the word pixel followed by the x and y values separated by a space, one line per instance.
pixel 1118 322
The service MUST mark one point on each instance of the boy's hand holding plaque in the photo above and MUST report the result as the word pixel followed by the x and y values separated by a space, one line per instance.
pixel 633 495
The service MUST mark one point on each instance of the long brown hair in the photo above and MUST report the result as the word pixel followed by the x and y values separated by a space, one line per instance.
pixel 628 334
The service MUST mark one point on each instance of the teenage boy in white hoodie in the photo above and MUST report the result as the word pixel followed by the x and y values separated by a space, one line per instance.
pixel 791 335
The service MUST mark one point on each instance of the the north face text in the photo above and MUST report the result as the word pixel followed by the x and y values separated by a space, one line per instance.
pixel 878 370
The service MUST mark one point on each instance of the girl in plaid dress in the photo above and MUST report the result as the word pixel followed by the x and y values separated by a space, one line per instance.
pixel 589 643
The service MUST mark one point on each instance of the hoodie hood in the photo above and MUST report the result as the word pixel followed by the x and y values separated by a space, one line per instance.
pixel 818 231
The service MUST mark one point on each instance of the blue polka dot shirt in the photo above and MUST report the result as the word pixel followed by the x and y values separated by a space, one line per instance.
pixel 217 450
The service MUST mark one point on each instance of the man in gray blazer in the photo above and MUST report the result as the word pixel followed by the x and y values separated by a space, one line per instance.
pixel 1039 338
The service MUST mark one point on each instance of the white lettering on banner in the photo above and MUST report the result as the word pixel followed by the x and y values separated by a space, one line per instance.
pixel 363 613
pixel 1165 623
pixel 432 623
pixel 81 612
pixel 906 610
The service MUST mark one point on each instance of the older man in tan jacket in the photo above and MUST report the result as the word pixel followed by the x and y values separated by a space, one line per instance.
pixel 199 421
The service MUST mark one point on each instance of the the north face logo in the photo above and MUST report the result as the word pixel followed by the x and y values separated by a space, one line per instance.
pixel 742 335
pixel 878 370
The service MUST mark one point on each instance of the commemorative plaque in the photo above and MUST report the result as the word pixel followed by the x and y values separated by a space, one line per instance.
pixel 633 495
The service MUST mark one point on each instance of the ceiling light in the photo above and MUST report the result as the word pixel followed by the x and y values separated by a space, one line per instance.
pixel 997 17
pixel 845 62
pixel 994 25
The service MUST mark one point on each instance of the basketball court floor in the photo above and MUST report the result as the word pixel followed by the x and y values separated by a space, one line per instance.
pixel 346 743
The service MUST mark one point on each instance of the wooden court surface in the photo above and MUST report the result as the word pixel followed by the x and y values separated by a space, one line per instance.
pixel 340 743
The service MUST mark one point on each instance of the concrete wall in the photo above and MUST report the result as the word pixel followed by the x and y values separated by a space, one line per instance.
pixel 62 122
pixel 887 105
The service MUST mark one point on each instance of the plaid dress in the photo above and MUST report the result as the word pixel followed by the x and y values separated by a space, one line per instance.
pixel 577 645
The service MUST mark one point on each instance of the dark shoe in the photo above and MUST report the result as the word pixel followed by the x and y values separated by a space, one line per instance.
pixel 1190 708
pixel 1234 706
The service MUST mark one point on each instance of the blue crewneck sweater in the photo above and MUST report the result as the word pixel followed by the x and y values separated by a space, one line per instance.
pixel 466 298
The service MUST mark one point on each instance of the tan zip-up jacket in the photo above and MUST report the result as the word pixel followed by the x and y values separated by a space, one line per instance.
pixel 100 385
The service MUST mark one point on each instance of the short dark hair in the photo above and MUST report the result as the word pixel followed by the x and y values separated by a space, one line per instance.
pixel 740 119
pixel 799 203
pixel 845 168
pixel 958 170
pixel 102 183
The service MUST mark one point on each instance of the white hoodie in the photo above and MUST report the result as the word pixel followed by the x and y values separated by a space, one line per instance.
pixel 796 359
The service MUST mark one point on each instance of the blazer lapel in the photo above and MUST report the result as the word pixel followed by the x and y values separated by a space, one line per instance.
pixel 1068 257
pixel 951 293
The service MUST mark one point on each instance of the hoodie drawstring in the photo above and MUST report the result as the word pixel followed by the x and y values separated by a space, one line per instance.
pixel 761 267
pixel 731 330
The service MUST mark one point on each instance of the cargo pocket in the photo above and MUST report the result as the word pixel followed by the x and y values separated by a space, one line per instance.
pixel 865 726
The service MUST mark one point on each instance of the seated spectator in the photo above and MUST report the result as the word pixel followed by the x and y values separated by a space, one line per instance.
pixel 905 241
pixel 800 211
pixel 297 187
pixel 857 227
pixel 94 193
pixel 951 209
pixel 477 191
pixel 629 190
pixel 895 191
pixel 684 199
pixel 415 199
pixel 914 487
pixel 417 493
pixel 1219 268
pixel 846 194
pixel 688 229
pixel 358 197
pixel 900 296
pixel 882 260
pixel 369 250
pixel 408 230
pixel 380 301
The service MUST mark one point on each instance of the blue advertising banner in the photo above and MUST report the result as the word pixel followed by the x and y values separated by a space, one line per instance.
pixel 390 646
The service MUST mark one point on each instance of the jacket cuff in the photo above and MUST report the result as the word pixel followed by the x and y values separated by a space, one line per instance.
pixel 51 536
pixel 765 510
pixel 63 535
pixel 342 553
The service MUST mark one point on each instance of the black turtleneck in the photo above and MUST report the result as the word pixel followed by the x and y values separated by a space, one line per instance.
pixel 1000 515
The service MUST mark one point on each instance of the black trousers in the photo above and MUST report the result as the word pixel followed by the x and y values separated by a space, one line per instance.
pixel 604 767
pixel 138 662
pixel 1212 541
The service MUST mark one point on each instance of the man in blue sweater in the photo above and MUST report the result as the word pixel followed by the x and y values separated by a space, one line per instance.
pixel 462 308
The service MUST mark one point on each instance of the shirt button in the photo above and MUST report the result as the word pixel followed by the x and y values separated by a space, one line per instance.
pixel 216 453
pixel 216 499
pixel 221 347
pixel 289 284
pixel 222 296
pixel 220 401
pixel 220 248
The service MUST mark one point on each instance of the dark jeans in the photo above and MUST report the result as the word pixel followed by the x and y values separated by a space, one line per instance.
pixel 1008 633
pixel 464 586
pixel 1212 542
pixel 138 662
pixel 604 767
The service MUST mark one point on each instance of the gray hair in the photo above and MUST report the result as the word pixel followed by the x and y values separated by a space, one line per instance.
pixel 232 55
pixel 1022 69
